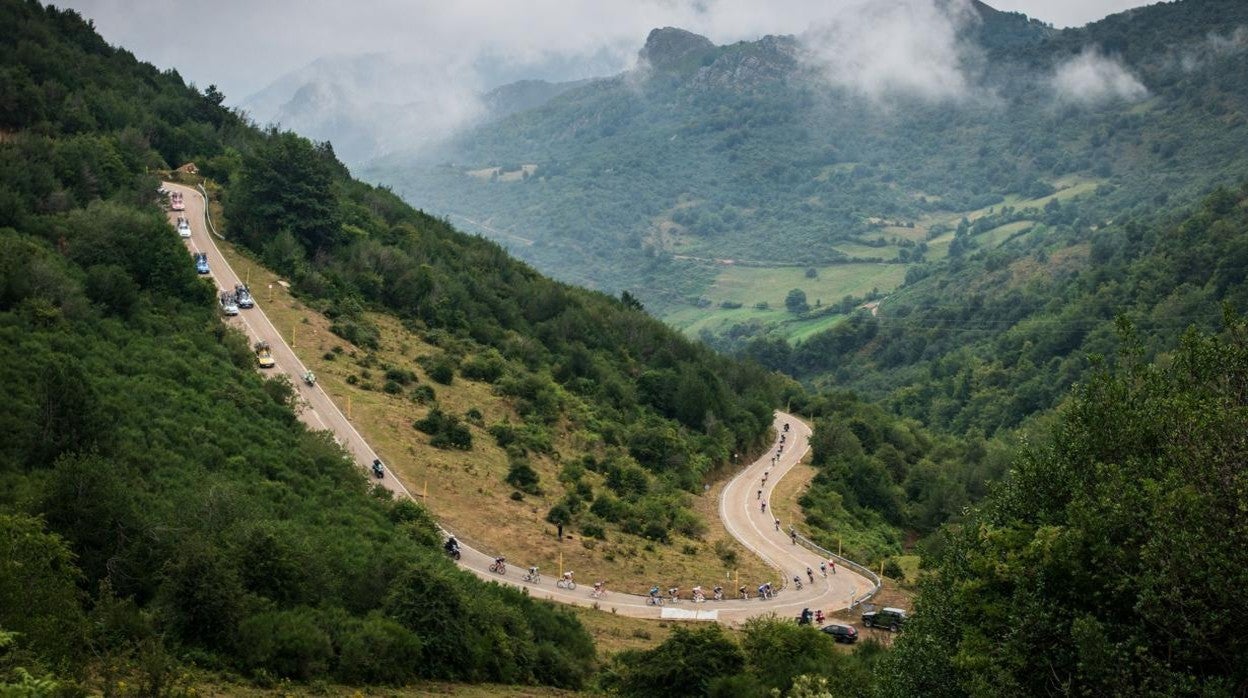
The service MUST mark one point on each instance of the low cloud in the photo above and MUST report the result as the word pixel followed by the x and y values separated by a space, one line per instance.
pixel 1214 46
pixel 1092 78
pixel 907 48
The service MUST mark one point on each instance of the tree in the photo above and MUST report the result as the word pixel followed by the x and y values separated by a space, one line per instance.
pixel 630 301
pixel 1130 516
pixel 287 184
pixel 796 301
pixel 39 597
pixel 686 664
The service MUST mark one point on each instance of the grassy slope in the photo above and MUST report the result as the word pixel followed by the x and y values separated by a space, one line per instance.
pixel 465 488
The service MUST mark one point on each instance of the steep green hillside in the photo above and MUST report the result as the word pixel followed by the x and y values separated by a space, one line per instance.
pixel 749 154
pixel 160 503
pixel 1110 561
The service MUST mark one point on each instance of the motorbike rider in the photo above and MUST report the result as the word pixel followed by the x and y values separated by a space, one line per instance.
pixel 452 545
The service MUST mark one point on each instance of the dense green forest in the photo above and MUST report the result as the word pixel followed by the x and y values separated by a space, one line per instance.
pixel 161 503
pixel 1110 561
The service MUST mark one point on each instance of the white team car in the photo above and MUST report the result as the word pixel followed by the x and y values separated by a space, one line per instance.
pixel 184 227
pixel 228 306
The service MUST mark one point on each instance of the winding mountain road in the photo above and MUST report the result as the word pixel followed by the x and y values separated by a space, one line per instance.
pixel 739 506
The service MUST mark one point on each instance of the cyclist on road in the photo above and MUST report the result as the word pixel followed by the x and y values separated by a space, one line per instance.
pixel 654 599
pixel 823 568
pixel 811 574
pixel 763 507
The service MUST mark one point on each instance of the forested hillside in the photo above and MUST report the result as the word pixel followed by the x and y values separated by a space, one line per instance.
pixel 1110 561
pixel 762 154
pixel 1004 333
pixel 161 504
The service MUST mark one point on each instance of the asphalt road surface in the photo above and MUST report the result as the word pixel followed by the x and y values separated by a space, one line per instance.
pixel 739 505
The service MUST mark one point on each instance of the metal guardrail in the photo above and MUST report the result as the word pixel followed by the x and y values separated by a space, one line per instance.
pixel 207 216
pixel 845 562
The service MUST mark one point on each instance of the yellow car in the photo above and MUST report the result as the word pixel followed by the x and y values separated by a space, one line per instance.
pixel 264 356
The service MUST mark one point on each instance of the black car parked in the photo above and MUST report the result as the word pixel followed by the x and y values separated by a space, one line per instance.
pixel 841 633
pixel 891 618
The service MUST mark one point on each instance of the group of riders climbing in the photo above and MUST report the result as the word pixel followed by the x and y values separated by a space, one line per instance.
pixel 765 591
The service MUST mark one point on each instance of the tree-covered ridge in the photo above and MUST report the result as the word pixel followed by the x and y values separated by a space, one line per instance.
pixel 1111 560
pixel 882 479
pixel 192 515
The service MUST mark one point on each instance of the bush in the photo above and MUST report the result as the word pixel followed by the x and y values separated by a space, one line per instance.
pixel 423 394
pixel 378 650
pixel 522 476
pixel 441 368
pixel 667 670
pixel 392 388
pixel 289 644
pixel 487 366
pixel 593 529
pixel 559 515
pixel 893 570
pixel 446 430
pixel 359 333
pixel 400 376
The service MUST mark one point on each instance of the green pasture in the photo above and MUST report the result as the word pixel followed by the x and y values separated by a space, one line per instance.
pixel 753 285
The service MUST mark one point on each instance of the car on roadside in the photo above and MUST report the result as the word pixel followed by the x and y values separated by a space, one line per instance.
pixel 184 227
pixel 242 296
pixel 890 618
pixel 841 633
pixel 228 306
pixel 201 263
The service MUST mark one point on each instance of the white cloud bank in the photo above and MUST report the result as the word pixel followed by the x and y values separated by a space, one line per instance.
pixel 898 48
pixel 1092 78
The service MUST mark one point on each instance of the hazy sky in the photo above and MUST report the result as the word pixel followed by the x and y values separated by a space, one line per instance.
pixel 243 45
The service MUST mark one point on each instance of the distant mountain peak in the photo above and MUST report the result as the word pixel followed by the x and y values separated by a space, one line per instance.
pixel 668 47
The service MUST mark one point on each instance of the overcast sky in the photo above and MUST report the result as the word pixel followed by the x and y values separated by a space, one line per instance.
pixel 243 45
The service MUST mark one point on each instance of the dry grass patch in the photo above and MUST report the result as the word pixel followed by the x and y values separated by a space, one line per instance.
pixel 465 489
pixel 790 489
